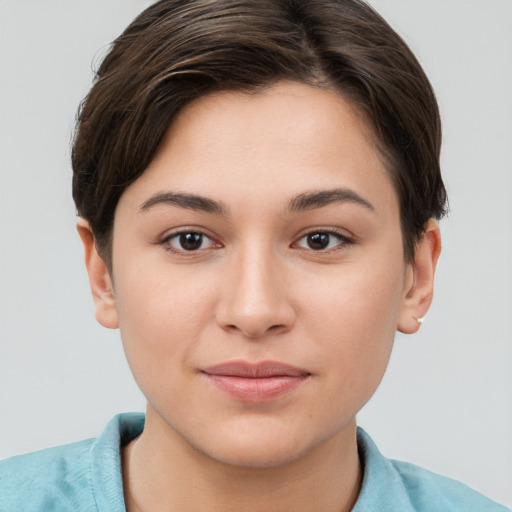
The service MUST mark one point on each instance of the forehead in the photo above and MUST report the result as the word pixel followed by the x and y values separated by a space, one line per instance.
pixel 276 142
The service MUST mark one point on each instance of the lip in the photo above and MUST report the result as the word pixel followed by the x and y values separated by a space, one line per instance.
pixel 260 382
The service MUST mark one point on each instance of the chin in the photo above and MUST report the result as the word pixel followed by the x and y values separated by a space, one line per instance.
pixel 262 444
pixel 257 456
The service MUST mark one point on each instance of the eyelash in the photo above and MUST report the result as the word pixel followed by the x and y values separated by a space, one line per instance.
pixel 342 241
pixel 167 242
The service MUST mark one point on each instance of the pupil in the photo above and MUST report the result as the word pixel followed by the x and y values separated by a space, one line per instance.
pixel 191 241
pixel 318 241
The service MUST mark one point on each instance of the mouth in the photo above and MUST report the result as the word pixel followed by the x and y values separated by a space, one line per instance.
pixel 261 382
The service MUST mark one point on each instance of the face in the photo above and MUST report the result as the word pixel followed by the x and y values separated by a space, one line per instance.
pixel 258 274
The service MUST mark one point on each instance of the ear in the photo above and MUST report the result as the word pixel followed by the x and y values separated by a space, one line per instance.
pixel 99 278
pixel 419 281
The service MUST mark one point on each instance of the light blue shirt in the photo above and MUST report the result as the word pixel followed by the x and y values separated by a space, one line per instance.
pixel 86 477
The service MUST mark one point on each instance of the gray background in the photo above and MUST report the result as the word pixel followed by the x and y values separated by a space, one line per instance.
pixel 446 400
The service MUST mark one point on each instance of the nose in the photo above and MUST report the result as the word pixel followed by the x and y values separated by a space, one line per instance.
pixel 254 301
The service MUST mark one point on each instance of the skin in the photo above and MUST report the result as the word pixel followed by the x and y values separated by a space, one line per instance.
pixel 257 290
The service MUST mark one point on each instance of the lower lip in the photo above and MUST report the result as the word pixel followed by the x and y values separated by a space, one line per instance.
pixel 254 390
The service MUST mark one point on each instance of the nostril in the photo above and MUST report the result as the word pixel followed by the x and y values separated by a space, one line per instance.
pixel 254 332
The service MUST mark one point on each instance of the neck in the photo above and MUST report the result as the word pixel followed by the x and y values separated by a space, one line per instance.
pixel 163 472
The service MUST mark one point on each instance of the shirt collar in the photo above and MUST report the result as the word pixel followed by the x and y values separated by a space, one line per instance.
pixel 106 474
pixel 382 487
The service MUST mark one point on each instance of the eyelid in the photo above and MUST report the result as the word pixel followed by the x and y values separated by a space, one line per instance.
pixel 165 239
pixel 344 238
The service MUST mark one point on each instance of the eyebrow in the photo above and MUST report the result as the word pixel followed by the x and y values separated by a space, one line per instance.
pixel 318 199
pixel 304 201
pixel 182 200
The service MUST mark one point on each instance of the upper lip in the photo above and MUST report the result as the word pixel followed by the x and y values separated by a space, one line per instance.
pixel 263 369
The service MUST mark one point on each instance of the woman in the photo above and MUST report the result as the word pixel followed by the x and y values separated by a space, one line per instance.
pixel 258 186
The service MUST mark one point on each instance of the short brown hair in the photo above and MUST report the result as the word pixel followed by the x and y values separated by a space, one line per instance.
pixel 179 50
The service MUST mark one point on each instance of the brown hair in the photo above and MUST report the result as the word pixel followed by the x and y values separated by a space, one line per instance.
pixel 179 50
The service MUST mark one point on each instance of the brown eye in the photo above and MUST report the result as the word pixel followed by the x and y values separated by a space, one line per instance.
pixel 188 241
pixel 323 241
pixel 318 241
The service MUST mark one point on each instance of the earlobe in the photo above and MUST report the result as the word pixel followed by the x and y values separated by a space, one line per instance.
pixel 419 282
pixel 99 278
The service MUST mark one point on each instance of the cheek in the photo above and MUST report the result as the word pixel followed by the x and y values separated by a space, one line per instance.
pixel 161 316
pixel 353 318
pixel 352 352
pixel 358 298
